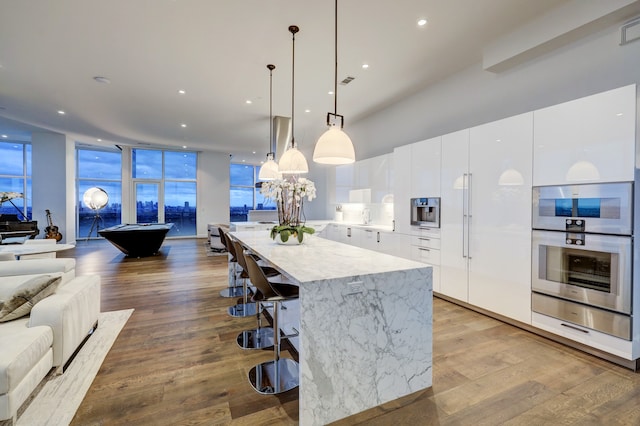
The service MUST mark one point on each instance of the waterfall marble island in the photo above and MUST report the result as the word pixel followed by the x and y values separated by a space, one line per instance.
pixel 365 324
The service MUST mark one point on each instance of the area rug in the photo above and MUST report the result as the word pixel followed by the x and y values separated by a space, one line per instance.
pixel 58 400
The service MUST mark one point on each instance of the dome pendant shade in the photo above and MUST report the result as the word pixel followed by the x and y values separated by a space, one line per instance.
pixel 293 162
pixel 269 170
pixel 334 147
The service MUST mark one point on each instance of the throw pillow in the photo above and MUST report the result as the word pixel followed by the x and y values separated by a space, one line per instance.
pixel 26 295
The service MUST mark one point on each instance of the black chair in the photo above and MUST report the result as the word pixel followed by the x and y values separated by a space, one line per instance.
pixel 245 308
pixel 234 290
pixel 280 374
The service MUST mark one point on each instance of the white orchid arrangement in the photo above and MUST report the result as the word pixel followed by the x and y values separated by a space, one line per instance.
pixel 289 194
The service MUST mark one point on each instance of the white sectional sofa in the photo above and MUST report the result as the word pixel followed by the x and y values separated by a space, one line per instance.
pixel 47 338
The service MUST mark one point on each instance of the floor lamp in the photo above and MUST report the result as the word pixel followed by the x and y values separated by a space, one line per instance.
pixel 96 199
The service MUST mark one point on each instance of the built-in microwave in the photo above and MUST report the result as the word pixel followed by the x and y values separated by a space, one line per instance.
pixel 425 212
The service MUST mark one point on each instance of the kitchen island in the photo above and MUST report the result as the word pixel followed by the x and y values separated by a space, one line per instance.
pixel 365 323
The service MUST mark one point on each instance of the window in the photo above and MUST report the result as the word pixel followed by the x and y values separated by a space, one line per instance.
pixel 15 176
pixel 244 195
pixel 102 169
pixel 165 188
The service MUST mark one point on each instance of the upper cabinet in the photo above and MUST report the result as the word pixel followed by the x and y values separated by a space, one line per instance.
pixel 425 168
pixel 590 139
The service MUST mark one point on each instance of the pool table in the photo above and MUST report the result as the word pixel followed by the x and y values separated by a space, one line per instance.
pixel 137 239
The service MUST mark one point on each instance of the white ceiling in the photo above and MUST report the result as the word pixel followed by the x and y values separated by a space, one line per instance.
pixel 217 51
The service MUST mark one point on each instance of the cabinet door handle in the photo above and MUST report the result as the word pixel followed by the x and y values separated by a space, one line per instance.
pixel 464 213
pixel 574 328
pixel 424 239
pixel 393 223
pixel 378 236
pixel 423 249
pixel 469 213
pixel 348 232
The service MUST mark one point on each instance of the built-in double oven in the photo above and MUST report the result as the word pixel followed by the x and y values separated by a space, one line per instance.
pixel 582 260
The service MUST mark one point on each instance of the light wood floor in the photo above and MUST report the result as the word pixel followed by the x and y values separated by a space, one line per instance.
pixel 176 361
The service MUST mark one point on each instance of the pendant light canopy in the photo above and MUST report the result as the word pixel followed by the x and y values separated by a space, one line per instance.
pixel 334 146
pixel 269 170
pixel 293 161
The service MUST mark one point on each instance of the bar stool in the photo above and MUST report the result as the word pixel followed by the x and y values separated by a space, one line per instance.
pixel 245 308
pixel 281 374
pixel 234 290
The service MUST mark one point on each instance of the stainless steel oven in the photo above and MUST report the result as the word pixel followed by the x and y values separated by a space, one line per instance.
pixel 585 268
pixel 425 212
pixel 605 208
pixel 582 255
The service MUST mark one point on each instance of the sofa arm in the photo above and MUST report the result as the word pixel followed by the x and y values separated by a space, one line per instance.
pixel 39 266
pixel 71 312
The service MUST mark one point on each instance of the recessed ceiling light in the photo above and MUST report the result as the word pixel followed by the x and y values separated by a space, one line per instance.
pixel 243 161
pixel 331 92
pixel 248 101
pixel 307 110
pixel 365 66
pixel 183 125
pixel 184 147
pixel 99 140
pixel 5 136
pixel 100 79
pixel 619 114
pixel 61 112
pixel 254 152
pixel 182 92
pixel 262 162
pixel 422 22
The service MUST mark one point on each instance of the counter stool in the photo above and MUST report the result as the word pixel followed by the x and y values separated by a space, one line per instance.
pixel 245 308
pixel 234 290
pixel 280 374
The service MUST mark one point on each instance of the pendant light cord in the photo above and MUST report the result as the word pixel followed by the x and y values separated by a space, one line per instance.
pixel 294 29
pixel 272 150
pixel 335 80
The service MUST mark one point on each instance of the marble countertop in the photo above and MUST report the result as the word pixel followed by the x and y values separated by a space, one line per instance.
pixel 374 227
pixel 321 259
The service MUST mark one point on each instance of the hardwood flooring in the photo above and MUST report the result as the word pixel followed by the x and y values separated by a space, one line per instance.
pixel 176 361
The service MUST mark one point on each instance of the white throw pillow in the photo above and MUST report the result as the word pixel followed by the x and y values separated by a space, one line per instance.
pixel 26 295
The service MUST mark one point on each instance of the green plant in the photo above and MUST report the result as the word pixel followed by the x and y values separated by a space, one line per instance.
pixel 287 231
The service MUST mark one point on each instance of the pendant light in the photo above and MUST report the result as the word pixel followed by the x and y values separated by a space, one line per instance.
pixel 334 146
pixel 293 161
pixel 269 170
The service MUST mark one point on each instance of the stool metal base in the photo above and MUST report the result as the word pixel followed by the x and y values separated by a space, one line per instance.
pixel 242 310
pixel 274 377
pixel 232 292
pixel 260 338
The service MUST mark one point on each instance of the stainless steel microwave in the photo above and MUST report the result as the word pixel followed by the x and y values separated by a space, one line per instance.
pixel 425 212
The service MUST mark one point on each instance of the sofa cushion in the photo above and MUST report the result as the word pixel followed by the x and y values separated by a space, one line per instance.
pixel 17 302
pixel 22 347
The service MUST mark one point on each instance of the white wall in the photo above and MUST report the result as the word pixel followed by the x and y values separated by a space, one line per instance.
pixel 473 96
pixel 53 163
pixel 213 190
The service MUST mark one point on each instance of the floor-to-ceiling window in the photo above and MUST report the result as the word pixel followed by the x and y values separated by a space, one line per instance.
pixel 101 169
pixel 243 193
pixel 164 188
pixel 15 176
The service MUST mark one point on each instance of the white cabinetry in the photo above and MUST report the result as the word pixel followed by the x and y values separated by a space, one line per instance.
pixel 425 248
pixel 591 139
pixel 453 227
pixel 486 216
pixel 425 168
pixel 499 214
pixel 402 188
